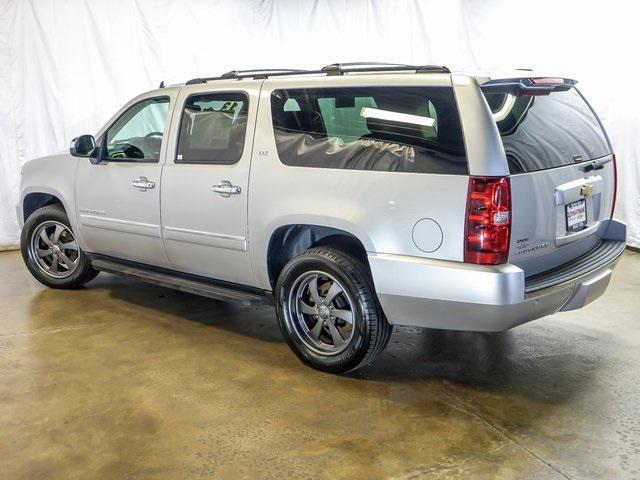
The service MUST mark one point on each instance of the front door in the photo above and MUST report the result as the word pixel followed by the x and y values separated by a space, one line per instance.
pixel 204 185
pixel 118 200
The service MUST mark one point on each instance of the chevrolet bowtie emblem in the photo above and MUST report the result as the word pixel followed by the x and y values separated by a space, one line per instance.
pixel 586 190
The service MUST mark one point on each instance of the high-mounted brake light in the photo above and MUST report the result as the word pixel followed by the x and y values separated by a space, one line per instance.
pixel 488 223
pixel 547 81
pixel 528 86
pixel 615 184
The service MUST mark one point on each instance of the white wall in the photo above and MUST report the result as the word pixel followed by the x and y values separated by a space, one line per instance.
pixel 65 67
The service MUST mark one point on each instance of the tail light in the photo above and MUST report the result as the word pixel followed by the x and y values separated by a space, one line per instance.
pixel 615 184
pixel 488 226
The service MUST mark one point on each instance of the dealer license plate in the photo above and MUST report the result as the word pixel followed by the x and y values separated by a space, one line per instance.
pixel 576 215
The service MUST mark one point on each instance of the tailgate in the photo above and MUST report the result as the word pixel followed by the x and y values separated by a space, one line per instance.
pixel 563 176
pixel 557 215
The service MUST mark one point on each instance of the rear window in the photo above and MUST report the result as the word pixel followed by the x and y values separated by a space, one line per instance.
pixel 395 129
pixel 541 132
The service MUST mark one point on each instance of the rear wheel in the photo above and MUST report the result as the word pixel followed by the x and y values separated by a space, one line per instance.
pixel 51 251
pixel 328 311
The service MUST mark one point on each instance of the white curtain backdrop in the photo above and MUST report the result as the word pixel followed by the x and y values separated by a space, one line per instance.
pixel 67 65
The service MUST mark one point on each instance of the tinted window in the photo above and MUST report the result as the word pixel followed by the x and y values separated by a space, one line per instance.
pixel 137 134
pixel 399 129
pixel 212 128
pixel 547 131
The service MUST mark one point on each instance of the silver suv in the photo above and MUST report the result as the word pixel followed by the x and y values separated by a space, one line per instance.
pixel 354 198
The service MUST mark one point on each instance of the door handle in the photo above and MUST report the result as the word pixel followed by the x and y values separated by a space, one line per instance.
pixel 143 184
pixel 225 189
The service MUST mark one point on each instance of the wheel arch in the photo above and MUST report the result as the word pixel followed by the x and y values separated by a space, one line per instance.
pixel 287 241
pixel 35 200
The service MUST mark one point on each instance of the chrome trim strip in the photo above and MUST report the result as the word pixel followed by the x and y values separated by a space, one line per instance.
pixel 211 239
pixel 119 225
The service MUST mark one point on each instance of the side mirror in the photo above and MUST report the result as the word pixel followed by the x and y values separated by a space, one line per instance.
pixel 83 146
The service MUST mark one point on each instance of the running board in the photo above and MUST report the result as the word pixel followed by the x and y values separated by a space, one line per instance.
pixel 204 287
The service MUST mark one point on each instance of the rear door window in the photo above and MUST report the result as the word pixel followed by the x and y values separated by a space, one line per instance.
pixel 399 129
pixel 541 132
pixel 212 128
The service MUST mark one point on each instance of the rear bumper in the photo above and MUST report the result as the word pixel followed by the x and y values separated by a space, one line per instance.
pixel 457 296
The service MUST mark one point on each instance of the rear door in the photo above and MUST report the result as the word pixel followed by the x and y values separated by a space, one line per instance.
pixel 204 182
pixel 562 172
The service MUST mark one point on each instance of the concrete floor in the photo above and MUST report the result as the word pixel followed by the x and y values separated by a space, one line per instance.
pixel 127 380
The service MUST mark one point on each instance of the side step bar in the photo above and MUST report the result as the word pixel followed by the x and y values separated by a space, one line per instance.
pixel 187 283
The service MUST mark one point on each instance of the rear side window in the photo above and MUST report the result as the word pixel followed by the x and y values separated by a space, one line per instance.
pixel 541 132
pixel 395 129
pixel 212 128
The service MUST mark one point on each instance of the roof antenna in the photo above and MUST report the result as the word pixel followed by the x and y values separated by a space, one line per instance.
pixel 161 84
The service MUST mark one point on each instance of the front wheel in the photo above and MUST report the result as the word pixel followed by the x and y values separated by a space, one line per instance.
pixel 50 250
pixel 328 311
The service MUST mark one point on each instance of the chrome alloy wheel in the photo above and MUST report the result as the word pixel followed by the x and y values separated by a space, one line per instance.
pixel 54 249
pixel 321 313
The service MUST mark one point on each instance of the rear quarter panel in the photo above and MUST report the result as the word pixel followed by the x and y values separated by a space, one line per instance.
pixel 379 208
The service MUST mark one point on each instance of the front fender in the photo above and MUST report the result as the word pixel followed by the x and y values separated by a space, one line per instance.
pixel 53 175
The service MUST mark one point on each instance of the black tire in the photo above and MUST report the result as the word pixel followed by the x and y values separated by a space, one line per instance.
pixel 82 271
pixel 369 332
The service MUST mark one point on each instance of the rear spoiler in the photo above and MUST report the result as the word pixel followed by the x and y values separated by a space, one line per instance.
pixel 528 86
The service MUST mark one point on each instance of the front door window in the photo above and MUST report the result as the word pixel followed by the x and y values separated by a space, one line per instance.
pixel 137 134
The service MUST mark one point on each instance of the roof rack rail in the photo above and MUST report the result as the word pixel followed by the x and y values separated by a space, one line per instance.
pixel 364 64
pixel 258 73
pixel 333 69
pixel 340 68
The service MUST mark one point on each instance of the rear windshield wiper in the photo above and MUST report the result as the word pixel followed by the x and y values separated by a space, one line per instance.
pixel 596 165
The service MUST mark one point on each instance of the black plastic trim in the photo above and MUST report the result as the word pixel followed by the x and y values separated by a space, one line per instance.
pixel 605 253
